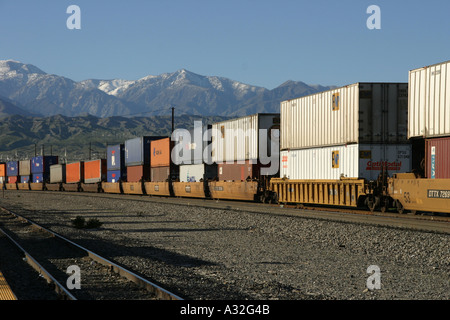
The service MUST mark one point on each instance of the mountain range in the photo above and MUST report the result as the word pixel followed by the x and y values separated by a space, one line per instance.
pixel 35 92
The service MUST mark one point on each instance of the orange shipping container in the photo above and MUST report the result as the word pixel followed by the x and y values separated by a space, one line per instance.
pixel 160 153
pixel 95 171
pixel 74 172
pixel 2 169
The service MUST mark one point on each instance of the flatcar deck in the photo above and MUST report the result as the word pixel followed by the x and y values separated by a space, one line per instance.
pixel 5 290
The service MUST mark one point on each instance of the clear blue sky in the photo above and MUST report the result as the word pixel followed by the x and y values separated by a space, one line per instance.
pixel 259 42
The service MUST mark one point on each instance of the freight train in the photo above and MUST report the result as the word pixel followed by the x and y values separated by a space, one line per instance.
pixel 380 146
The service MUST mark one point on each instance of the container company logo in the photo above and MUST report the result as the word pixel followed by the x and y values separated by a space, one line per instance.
pixel 378 165
pixel 217 141
pixel 157 152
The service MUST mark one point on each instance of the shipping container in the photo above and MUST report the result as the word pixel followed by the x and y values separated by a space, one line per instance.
pixel 160 152
pixel 359 113
pixel 25 167
pixel 40 177
pixel 352 161
pixel 137 151
pixel 197 172
pixel 437 158
pixel 24 179
pixel 12 168
pixel 193 146
pixel 41 164
pixel 74 172
pixel 138 173
pixel 239 171
pixel 3 170
pixel 12 179
pixel 429 101
pixel 94 171
pixel 115 156
pixel 115 176
pixel 159 174
pixel 58 173
pixel 239 139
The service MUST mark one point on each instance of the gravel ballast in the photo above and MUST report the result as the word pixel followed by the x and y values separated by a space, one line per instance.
pixel 204 253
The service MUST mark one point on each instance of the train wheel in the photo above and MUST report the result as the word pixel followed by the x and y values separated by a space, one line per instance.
pixel 372 203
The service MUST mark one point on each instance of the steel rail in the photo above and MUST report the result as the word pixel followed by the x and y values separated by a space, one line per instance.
pixel 59 288
pixel 159 292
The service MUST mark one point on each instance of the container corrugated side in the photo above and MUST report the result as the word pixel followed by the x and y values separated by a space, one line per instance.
pixel 115 156
pixel 25 167
pixel 437 158
pixel 12 168
pixel 24 179
pixel 58 173
pixel 74 172
pixel 429 101
pixel 195 172
pixel 138 173
pixel 351 161
pixel 2 169
pixel 238 139
pixel 95 171
pixel 40 177
pixel 160 152
pixel 115 176
pixel 357 113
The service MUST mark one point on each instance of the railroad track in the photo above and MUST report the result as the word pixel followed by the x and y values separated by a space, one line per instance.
pixel 430 223
pixel 75 272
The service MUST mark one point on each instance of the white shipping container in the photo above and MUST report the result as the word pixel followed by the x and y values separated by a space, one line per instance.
pixel 357 113
pixel 25 167
pixel 57 173
pixel 429 101
pixel 351 161
pixel 238 139
pixel 195 172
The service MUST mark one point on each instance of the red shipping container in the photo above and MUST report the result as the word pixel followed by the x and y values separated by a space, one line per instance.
pixel 437 159
pixel 74 172
pixel 239 172
pixel 138 173
pixel 12 179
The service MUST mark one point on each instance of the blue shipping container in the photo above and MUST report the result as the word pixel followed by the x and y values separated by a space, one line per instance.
pixel 115 157
pixel 12 168
pixel 42 164
pixel 137 151
pixel 40 177
pixel 24 179
pixel 116 175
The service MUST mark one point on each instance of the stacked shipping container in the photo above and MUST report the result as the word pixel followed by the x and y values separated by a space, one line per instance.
pixel 162 168
pixel 25 171
pixel 137 159
pixel 3 176
pixel 196 163
pixel 354 131
pixel 429 116
pixel 116 170
pixel 236 145
pixel 40 168
pixel 12 171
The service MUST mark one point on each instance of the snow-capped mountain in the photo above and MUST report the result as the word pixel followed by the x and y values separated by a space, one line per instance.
pixel 190 93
